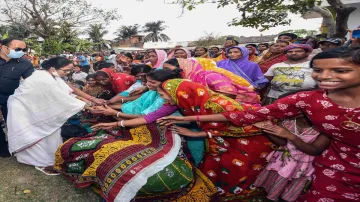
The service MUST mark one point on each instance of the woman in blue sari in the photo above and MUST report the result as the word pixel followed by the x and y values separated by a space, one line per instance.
pixel 239 64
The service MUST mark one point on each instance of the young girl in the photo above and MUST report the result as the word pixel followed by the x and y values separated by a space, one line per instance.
pixel 91 87
pixel 289 169
pixel 335 112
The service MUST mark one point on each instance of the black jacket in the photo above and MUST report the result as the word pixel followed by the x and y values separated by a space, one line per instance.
pixel 10 74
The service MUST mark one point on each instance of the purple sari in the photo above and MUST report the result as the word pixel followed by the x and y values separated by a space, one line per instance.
pixel 244 68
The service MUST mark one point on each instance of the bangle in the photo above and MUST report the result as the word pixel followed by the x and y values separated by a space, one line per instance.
pixel 118 114
pixel 209 134
pixel 122 123
pixel 197 118
pixel 122 100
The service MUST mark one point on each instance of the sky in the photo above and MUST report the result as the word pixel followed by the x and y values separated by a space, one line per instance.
pixel 191 25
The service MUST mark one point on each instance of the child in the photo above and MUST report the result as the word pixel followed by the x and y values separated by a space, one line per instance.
pixel 78 75
pixel 91 87
pixel 289 169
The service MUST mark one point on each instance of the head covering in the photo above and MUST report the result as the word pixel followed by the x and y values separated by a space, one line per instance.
pixel 119 81
pixel 195 99
pixel 243 67
pixel 162 57
pixel 292 35
pixel 306 47
pixel 335 41
pixel 231 38
pixel 185 50
pixel 216 81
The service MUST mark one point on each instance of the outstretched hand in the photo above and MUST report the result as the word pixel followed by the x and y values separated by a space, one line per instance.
pixel 186 132
pixel 104 126
pixel 170 120
pixel 269 127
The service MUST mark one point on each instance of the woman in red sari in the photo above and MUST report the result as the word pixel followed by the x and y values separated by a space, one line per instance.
pixel 116 82
pixel 335 112
pixel 235 155
pixel 276 54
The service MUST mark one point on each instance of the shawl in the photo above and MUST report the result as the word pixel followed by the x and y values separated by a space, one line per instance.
pixel 191 69
pixel 119 81
pixel 253 56
pixel 243 67
pixel 185 50
pixel 39 107
pixel 195 99
pixel 162 57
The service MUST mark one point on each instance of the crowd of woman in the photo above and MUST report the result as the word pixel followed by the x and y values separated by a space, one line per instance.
pixel 182 126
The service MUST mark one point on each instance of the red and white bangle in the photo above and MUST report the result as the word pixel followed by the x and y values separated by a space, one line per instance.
pixel 209 134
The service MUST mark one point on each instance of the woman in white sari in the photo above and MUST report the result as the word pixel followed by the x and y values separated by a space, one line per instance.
pixel 37 110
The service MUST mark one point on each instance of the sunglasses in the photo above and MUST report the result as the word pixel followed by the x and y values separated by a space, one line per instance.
pixel 19 49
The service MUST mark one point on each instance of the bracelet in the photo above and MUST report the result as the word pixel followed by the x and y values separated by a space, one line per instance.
pixel 118 114
pixel 197 118
pixel 122 100
pixel 122 123
pixel 209 134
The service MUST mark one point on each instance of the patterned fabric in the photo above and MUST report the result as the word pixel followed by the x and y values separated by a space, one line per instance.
pixel 236 155
pixel 215 81
pixel 269 60
pixel 112 159
pixel 93 91
pixel 244 68
pixel 336 176
pixel 306 47
pixel 253 57
pixel 119 81
pixel 210 65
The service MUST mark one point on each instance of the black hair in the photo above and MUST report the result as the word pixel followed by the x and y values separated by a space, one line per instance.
pixel 140 68
pixel 129 55
pixel 351 55
pixel 162 75
pixel 112 52
pixel 251 44
pixel 78 66
pixel 80 83
pixel 265 44
pixel 206 50
pixel 101 73
pixel 173 62
pixel 56 62
pixel 103 65
pixel 7 42
pixel 292 35
pixel 90 76
pixel 139 57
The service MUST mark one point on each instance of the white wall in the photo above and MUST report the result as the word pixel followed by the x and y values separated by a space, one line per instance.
pixel 354 19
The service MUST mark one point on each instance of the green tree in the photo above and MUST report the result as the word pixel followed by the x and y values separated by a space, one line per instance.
pixel 301 32
pixel 44 17
pixel 125 32
pixel 14 31
pixel 154 30
pixel 210 39
pixel 96 33
pixel 264 14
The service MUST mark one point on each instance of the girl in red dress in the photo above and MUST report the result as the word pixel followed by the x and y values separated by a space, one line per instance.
pixel 334 111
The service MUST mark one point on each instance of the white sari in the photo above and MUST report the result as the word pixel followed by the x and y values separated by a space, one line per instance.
pixel 37 110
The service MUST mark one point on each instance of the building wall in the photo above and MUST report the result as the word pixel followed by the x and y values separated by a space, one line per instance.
pixel 354 19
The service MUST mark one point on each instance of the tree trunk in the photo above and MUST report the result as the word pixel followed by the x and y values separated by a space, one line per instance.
pixel 342 16
pixel 328 19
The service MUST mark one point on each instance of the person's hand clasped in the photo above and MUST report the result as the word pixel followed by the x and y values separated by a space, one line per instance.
pixel 107 111
pixel 272 129
pixel 98 101
pixel 104 126
pixel 170 120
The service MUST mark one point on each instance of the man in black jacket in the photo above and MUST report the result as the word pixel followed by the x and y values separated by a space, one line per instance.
pixel 12 68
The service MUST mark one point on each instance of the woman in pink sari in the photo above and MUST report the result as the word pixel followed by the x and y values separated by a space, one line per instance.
pixel 192 70
pixel 156 58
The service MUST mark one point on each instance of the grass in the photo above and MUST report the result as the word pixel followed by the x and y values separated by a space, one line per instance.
pixel 16 178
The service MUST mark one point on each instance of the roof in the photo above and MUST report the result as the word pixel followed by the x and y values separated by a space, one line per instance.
pixel 256 39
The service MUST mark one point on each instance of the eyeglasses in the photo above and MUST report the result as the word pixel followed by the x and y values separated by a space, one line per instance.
pixel 19 49
pixel 66 71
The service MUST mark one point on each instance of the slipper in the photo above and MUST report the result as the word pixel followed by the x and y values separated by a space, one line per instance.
pixel 46 171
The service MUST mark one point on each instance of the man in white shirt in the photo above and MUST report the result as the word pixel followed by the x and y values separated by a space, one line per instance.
pixel 78 75
pixel 112 58
pixel 291 75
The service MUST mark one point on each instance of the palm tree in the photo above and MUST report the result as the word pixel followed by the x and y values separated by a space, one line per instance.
pixel 125 32
pixel 154 30
pixel 96 33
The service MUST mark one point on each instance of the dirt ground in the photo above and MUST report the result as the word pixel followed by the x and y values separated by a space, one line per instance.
pixel 15 178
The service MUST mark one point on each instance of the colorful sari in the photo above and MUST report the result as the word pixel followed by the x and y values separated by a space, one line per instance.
pixel 269 60
pixel 93 91
pixel 119 81
pixel 245 68
pixel 253 57
pixel 216 81
pixel 148 102
pixel 235 155
pixel 142 163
